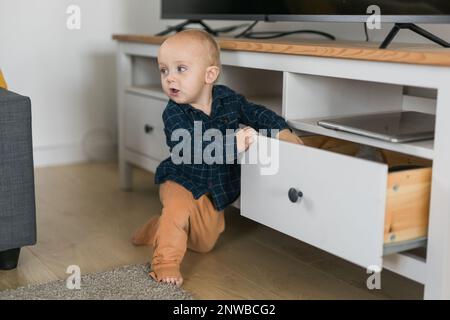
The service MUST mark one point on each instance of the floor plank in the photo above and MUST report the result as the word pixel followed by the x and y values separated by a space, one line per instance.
pixel 30 271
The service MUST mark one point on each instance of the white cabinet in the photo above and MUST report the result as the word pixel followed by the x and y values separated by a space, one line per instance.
pixel 144 129
pixel 349 207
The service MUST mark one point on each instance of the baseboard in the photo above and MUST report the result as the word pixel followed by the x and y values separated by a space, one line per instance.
pixel 45 156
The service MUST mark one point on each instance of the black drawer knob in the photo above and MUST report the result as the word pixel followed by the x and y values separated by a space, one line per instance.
pixel 294 194
pixel 148 128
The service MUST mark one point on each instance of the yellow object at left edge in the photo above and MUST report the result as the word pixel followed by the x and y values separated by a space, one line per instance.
pixel 2 81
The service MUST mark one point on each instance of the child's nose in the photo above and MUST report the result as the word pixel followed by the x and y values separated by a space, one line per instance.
pixel 170 78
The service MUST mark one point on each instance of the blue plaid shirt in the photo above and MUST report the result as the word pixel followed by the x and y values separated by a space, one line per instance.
pixel 228 110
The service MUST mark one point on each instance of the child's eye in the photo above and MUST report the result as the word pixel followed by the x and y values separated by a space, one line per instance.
pixel 182 69
pixel 163 71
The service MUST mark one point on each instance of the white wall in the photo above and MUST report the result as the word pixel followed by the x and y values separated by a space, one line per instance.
pixel 70 75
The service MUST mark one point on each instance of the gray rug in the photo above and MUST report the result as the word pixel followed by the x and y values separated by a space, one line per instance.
pixel 125 283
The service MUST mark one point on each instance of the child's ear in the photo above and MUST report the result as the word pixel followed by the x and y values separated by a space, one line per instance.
pixel 212 73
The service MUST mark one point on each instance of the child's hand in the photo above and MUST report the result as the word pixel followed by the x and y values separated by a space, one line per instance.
pixel 288 136
pixel 244 138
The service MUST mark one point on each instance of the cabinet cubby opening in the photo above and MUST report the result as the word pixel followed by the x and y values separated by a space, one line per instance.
pixel 263 87
pixel 310 98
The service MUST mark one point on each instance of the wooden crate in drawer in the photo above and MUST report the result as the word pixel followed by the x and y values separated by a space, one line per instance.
pixel 407 205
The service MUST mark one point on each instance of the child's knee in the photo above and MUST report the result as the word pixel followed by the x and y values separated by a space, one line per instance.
pixel 202 248
pixel 203 245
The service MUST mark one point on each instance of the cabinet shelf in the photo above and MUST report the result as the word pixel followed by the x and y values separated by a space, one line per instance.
pixel 422 149
pixel 272 102
pixel 153 91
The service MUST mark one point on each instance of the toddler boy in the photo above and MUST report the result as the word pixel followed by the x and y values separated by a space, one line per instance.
pixel 194 193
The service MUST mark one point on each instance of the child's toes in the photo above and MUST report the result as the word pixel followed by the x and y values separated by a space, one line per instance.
pixel 165 280
pixel 178 281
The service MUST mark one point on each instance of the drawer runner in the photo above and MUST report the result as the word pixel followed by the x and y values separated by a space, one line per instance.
pixel 404 245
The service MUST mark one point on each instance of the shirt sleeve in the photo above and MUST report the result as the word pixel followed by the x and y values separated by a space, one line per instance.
pixel 259 117
pixel 176 120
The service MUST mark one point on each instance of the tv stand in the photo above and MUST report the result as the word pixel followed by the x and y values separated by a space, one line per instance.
pixel 416 29
pixel 181 26
pixel 343 209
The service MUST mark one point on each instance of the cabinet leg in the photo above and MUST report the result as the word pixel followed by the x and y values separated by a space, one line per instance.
pixel 126 176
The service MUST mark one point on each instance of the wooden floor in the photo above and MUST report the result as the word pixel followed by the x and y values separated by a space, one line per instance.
pixel 84 219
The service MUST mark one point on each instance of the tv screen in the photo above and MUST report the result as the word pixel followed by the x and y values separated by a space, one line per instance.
pixel 213 9
pixel 419 11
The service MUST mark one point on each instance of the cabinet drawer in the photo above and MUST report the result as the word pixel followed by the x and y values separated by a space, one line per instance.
pixel 343 204
pixel 144 128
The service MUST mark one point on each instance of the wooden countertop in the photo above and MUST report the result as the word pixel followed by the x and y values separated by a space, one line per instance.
pixel 397 52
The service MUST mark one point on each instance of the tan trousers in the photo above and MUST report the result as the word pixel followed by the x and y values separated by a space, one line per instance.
pixel 184 223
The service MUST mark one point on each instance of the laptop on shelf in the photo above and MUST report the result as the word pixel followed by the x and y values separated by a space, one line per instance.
pixel 397 126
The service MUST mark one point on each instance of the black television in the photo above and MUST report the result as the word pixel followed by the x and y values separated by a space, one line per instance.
pixel 399 11
pixel 404 13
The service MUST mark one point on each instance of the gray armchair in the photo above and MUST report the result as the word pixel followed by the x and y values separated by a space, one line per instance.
pixel 17 201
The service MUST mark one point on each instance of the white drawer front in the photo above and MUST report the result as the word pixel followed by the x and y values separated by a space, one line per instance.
pixel 144 128
pixel 343 204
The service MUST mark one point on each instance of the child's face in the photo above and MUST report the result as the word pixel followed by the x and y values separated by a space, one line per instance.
pixel 183 66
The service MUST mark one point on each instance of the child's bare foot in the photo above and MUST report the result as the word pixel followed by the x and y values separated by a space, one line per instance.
pixel 178 281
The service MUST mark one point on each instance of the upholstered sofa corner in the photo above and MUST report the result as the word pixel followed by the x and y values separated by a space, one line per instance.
pixel 17 196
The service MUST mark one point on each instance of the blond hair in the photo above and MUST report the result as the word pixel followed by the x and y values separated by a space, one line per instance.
pixel 207 41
